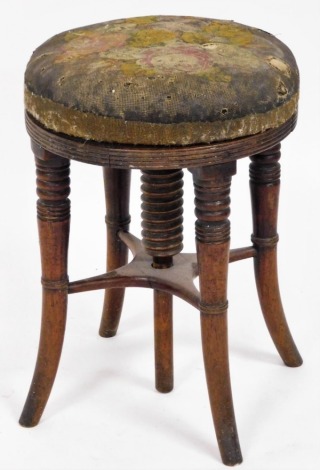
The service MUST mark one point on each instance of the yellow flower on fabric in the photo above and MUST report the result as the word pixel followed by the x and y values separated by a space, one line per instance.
pixel 216 75
pixel 235 34
pixel 131 69
pixel 141 20
pixel 151 37
pixel 195 37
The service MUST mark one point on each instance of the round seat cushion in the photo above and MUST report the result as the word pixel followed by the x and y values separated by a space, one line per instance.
pixel 162 80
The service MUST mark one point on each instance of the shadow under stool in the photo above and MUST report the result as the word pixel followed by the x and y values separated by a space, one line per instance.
pixel 161 94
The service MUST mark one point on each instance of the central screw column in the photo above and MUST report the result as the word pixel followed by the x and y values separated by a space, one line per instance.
pixel 162 235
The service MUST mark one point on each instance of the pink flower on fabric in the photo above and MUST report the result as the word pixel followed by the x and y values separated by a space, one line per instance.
pixel 90 42
pixel 176 59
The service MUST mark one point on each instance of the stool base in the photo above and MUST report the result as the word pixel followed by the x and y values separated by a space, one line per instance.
pixel 167 271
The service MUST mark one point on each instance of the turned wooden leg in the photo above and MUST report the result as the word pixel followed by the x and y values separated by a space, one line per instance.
pixel 117 194
pixel 265 187
pixel 162 209
pixel 212 189
pixel 53 187
pixel 163 341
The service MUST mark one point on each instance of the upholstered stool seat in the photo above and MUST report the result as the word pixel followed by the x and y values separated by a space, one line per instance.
pixel 162 81
pixel 159 94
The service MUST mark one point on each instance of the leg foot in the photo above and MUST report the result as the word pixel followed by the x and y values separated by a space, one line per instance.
pixel 50 347
pixel 215 355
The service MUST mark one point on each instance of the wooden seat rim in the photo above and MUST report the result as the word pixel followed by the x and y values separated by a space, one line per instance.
pixel 157 157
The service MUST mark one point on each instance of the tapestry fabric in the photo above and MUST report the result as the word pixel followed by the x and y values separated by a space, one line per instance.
pixel 162 80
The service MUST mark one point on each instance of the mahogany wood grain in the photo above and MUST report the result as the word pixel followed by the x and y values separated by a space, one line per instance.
pixel 163 341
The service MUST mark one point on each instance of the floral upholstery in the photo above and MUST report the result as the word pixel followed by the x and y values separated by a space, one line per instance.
pixel 162 80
